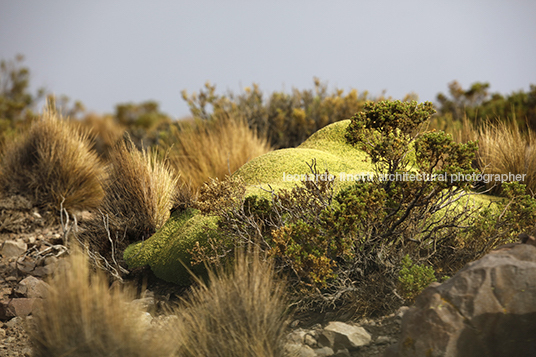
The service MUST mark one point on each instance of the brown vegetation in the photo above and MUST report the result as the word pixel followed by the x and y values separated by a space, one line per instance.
pixel 202 149
pixel 107 133
pixel 241 313
pixel 503 148
pixel 52 163
pixel 140 191
pixel 81 316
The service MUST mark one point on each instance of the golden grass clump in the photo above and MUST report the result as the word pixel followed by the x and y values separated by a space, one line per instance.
pixel 81 316
pixel 140 191
pixel 202 149
pixel 503 148
pixel 239 314
pixel 53 163
pixel 106 130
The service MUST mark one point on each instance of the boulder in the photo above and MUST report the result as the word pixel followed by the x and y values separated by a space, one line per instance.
pixel 339 335
pixel 20 307
pixel 25 265
pixel 298 350
pixel 487 309
pixel 324 352
pixel 31 287
pixel 13 248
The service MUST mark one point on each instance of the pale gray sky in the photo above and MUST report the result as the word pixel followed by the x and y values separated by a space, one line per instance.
pixel 108 52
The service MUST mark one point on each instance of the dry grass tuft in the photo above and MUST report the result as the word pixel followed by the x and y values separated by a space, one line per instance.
pixel 199 149
pixel 503 148
pixel 107 133
pixel 241 313
pixel 53 163
pixel 140 191
pixel 81 316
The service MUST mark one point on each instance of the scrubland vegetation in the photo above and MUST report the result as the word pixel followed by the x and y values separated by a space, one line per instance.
pixel 81 316
pixel 362 249
pixel 241 313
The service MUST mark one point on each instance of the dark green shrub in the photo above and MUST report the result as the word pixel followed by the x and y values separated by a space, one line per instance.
pixel 500 222
pixel 414 278
pixel 480 106
pixel 346 249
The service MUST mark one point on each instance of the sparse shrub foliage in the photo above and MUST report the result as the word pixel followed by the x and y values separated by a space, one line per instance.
pixel 286 119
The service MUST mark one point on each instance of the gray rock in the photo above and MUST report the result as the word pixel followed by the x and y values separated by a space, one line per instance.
pixel 297 336
pixel 146 319
pixel 51 260
pixel 31 287
pixel 384 340
pixel 20 307
pixel 487 309
pixel 25 265
pixel 145 303
pixel 326 339
pixel 14 322
pixel 310 340
pixel 342 353
pixel 324 352
pixel 13 248
pixel 27 352
pixel 339 335
pixel 402 311
pixel 43 271
pixel 297 350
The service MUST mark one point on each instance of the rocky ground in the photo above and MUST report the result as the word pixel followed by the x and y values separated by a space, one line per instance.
pixel 32 248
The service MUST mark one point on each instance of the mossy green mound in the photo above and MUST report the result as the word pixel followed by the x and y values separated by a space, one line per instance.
pixel 285 168
pixel 167 252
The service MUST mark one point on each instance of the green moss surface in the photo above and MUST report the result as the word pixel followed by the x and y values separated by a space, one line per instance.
pixel 327 146
pixel 167 251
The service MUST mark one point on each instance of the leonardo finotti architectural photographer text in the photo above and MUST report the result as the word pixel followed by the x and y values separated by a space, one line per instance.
pixel 406 176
